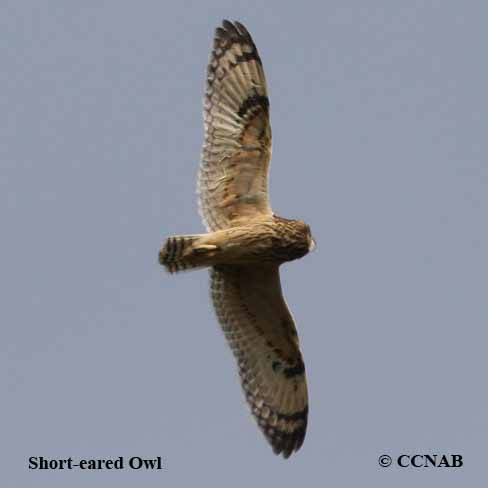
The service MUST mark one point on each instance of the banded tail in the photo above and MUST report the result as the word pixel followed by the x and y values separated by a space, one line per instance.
pixel 185 252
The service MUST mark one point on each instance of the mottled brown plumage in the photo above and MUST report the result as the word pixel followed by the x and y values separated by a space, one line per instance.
pixel 246 243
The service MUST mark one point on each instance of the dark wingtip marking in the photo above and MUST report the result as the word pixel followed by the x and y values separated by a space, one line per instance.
pixel 242 29
pixel 232 33
pixel 230 28
pixel 284 443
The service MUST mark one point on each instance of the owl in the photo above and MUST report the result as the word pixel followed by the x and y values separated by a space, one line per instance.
pixel 246 242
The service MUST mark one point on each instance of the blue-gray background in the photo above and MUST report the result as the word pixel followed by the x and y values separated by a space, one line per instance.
pixel 379 114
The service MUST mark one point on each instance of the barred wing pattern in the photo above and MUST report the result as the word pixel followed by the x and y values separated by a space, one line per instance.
pixel 260 330
pixel 233 176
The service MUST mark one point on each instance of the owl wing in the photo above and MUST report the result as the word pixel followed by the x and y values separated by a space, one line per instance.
pixel 233 175
pixel 261 333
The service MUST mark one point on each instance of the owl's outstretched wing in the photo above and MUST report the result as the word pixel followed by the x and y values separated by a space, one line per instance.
pixel 260 330
pixel 233 176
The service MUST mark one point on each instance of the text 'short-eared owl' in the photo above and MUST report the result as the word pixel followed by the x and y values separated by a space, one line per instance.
pixel 246 242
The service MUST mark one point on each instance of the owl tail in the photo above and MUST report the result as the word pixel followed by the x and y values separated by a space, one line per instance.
pixel 180 253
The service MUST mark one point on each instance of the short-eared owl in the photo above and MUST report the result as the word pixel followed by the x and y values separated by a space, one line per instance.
pixel 246 242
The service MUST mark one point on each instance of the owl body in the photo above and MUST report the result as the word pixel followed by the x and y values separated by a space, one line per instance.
pixel 272 240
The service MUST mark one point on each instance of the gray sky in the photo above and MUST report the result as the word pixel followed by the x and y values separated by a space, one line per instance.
pixel 379 124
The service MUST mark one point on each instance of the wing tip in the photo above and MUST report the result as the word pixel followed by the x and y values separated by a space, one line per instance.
pixel 233 31
pixel 286 444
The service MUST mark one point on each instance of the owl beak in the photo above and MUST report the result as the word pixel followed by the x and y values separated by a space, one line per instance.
pixel 312 245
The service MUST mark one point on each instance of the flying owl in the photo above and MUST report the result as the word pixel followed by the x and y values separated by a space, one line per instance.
pixel 246 242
